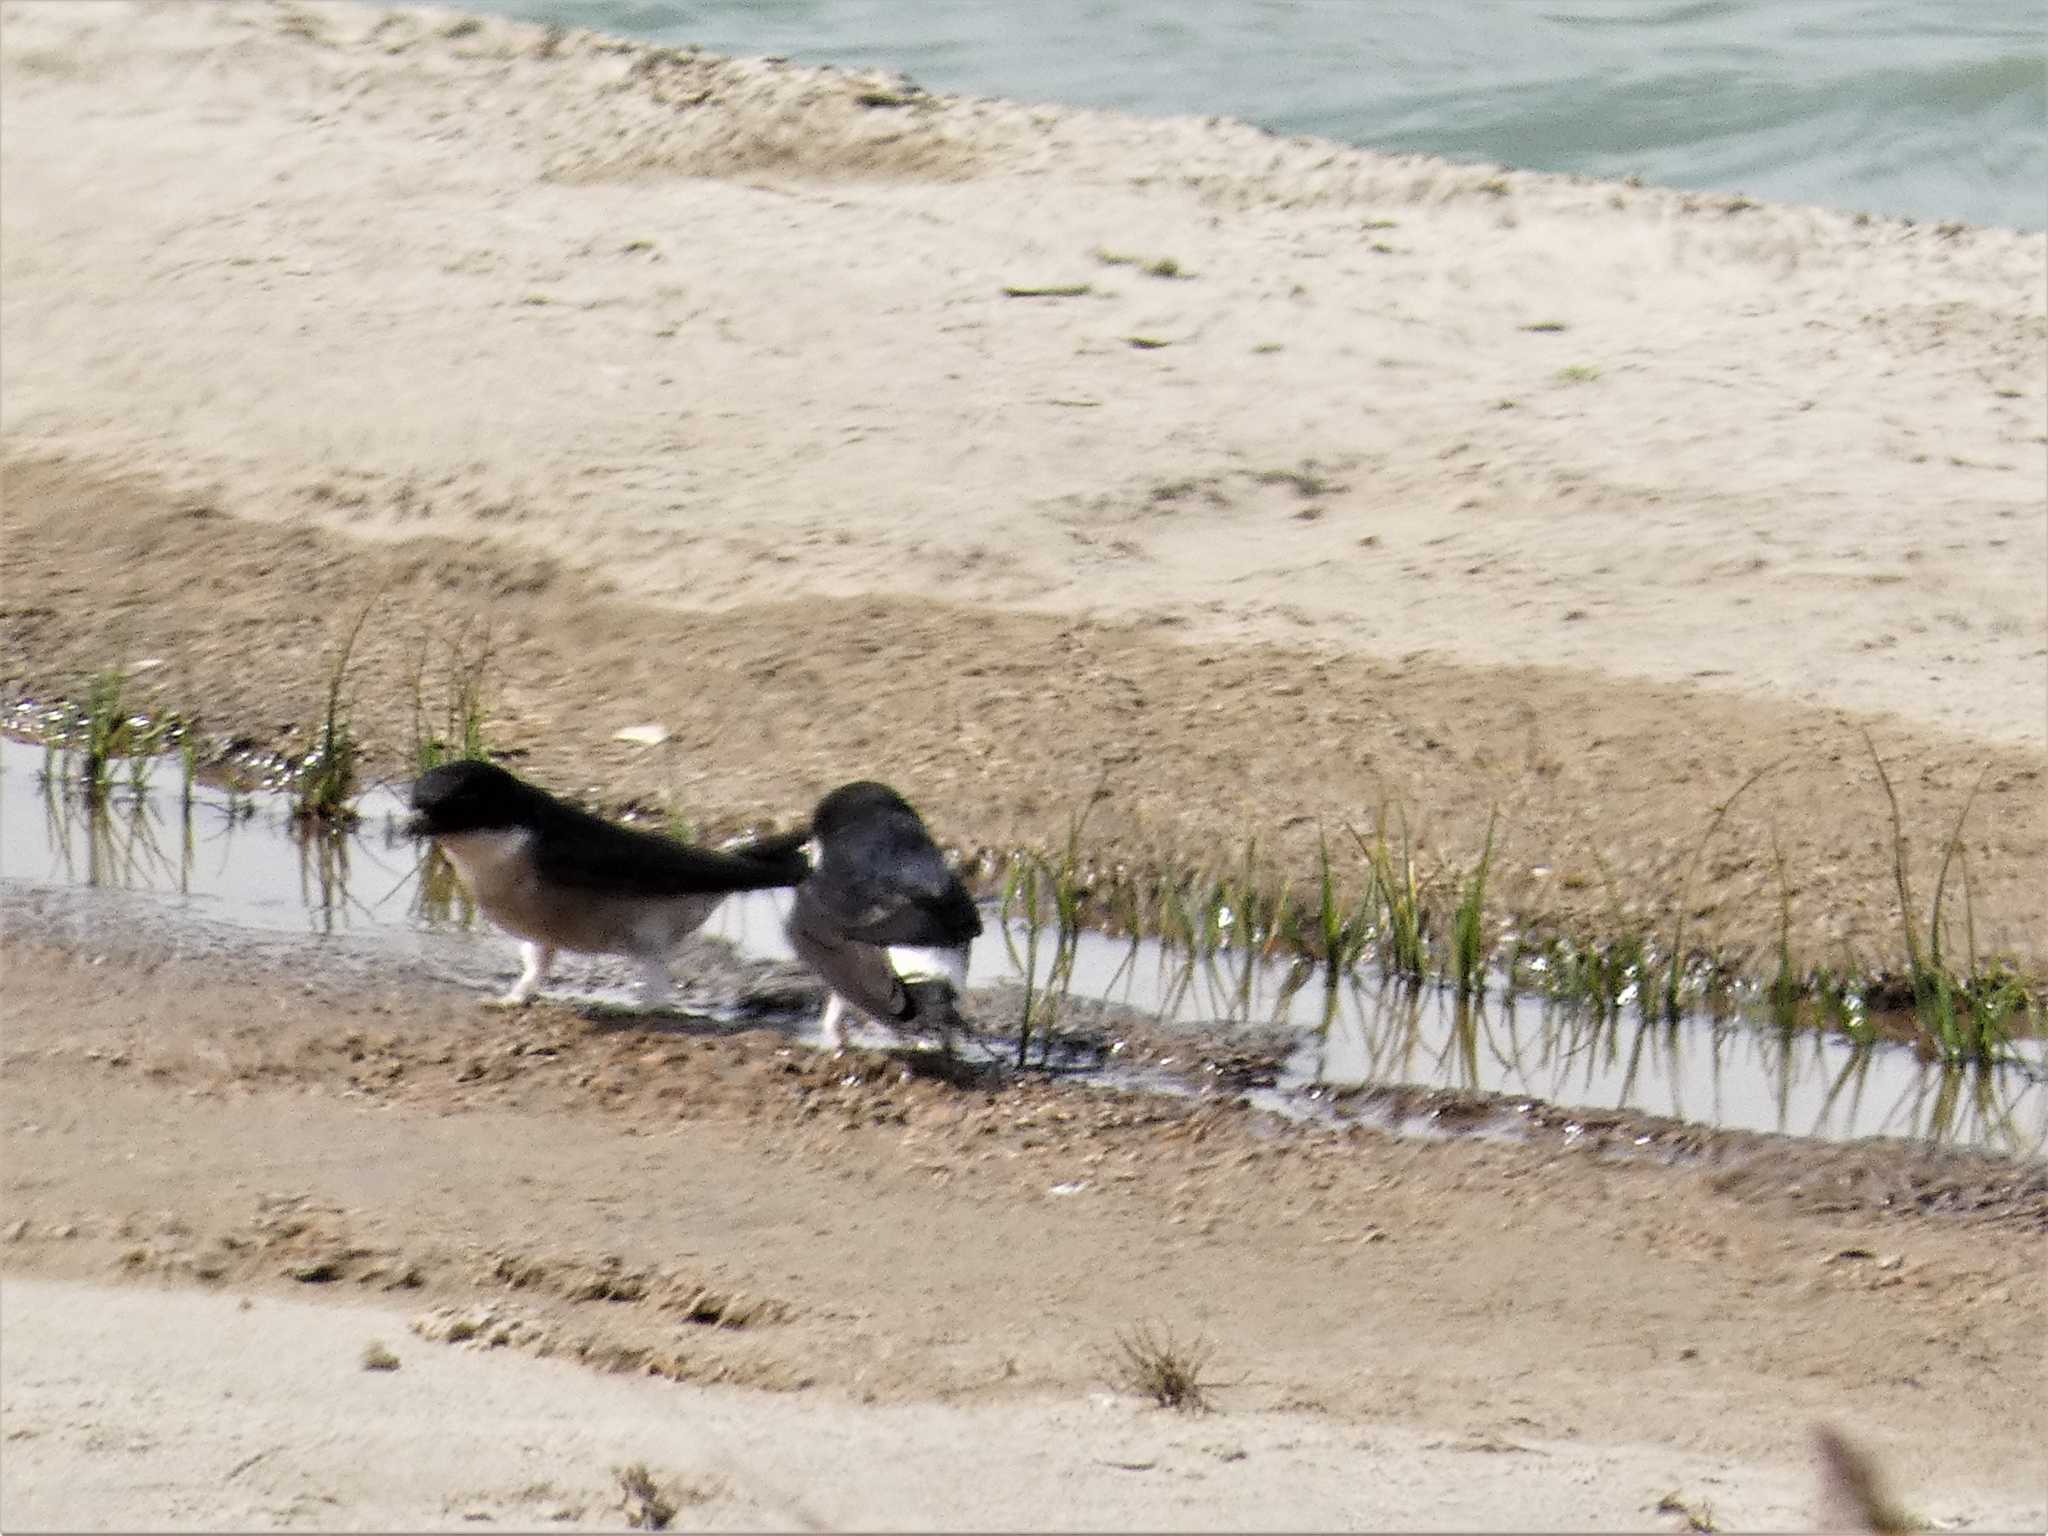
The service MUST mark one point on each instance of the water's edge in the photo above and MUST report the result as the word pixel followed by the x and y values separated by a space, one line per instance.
pixel 1892 107
pixel 239 864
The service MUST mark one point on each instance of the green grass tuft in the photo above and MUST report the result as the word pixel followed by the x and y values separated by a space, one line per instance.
pixel 1404 940
pixel 1968 1016
pixel 1343 928
pixel 1038 890
pixel 456 729
pixel 115 734
pixel 1671 979
pixel 1468 923
pixel 326 780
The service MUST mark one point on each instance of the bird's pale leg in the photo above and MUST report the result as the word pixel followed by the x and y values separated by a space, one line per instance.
pixel 654 982
pixel 830 1026
pixel 537 958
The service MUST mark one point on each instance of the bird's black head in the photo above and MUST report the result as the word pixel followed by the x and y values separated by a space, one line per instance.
pixel 470 796
pixel 862 802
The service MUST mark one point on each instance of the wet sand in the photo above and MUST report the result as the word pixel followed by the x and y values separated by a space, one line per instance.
pixel 810 1251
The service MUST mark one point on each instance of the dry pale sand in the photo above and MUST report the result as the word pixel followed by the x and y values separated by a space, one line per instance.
pixel 247 1416
pixel 723 334
pixel 1348 479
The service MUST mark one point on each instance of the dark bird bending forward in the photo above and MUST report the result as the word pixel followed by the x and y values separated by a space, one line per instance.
pixel 557 877
pixel 881 918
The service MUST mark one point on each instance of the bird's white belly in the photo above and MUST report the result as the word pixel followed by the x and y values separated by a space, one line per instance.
pixel 498 870
pixel 492 866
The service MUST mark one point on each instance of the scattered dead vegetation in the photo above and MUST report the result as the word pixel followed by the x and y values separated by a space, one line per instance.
pixel 649 1507
pixel 1156 1365
pixel 1696 1514
pixel 630 1344
pixel 377 1356
pixel 1162 266
pixel 1307 480
pixel 651 1503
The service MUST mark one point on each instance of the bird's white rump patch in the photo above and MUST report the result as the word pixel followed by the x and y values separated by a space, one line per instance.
pixel 914 963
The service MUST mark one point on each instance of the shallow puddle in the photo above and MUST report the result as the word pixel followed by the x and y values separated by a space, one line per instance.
pixel 240 862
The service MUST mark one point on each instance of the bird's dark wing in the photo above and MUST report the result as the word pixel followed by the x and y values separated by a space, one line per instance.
pixel 858 972
pixel 894 906
pixel 782 847
pixel 588 853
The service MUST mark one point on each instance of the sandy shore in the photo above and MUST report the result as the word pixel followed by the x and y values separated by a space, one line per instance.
pixel 725 335
pixel 1007 453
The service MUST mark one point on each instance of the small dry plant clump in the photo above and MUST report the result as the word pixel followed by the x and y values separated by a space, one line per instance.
pixel 1698 1515
pixel 651 1505
pixel 1165 1369
pixel 378 1357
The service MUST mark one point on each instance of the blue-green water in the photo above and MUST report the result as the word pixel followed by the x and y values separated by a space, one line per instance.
pixel 1928 109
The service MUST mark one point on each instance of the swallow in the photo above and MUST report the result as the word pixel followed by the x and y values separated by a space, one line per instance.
pixel 880 917
pixel 556 877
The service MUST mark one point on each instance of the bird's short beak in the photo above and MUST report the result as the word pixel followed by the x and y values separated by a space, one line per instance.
pixel 416 825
